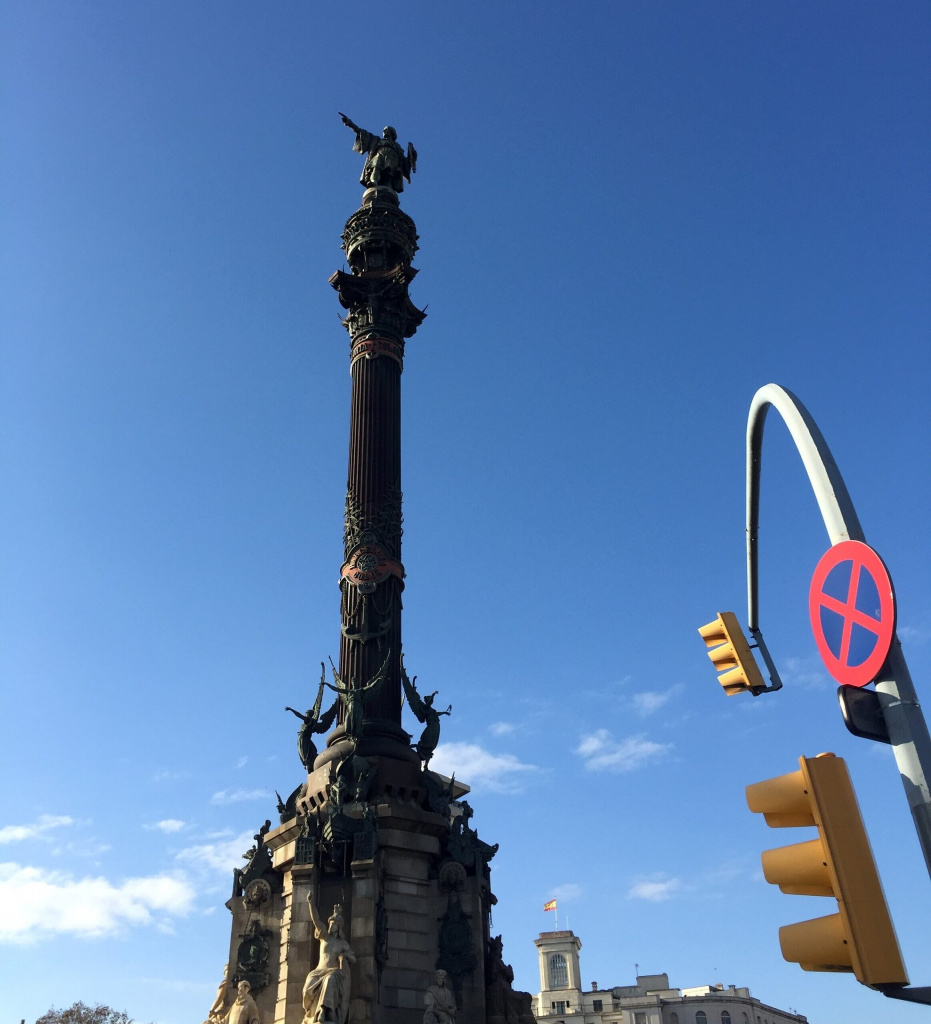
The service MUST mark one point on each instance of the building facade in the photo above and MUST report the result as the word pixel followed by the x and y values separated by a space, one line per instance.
pixel 564 1000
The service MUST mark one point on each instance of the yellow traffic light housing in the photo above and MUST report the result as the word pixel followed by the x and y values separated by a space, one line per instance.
pixel 860 937
pixel 729 651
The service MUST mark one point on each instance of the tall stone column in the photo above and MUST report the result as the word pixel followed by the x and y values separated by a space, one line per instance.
pixel 371 829
pixel 379 241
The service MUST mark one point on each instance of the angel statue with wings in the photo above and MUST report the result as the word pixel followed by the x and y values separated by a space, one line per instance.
pixel 313 723
pixel 425 712
pixel 355 698
pixel 386 163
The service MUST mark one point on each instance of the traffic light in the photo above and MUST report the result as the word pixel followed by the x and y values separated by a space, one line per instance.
pixel 839 863
pixel 732 657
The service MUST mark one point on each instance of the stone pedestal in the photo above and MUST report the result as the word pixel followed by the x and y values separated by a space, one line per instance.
pixel 413 883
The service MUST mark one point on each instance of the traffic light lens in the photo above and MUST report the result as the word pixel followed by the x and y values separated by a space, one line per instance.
pixel 799 870
pixel 817 945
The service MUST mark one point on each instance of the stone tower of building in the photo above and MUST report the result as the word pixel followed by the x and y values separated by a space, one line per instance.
pixel 374 879
pixel 560 977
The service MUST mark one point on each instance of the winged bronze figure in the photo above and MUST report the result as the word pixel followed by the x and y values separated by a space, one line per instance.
pixel 312 723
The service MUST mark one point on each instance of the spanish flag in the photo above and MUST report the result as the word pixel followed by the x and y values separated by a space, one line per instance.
pixel 551 905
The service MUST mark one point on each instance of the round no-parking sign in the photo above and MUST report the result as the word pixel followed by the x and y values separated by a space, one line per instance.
pixel 852 609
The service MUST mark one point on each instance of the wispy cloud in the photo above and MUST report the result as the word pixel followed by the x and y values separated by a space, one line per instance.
pixel 44 823
pixel 167 775
pixel 601 752
pixel 649 701
pixel 655 888
pixel 565 893
pixel 235 796
pixel 167 825
pixel 501 728
pixel 224 854
pixel 242 762
pixel 804 672
pixel 501 773
pixel 918 632
pixel 38 903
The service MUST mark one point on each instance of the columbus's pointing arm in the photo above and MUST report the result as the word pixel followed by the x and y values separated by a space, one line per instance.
pixel 348 123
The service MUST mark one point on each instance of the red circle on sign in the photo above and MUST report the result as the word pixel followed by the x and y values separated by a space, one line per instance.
pixel 852 608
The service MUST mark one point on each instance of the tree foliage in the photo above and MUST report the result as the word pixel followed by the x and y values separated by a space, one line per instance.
pixel 81 1013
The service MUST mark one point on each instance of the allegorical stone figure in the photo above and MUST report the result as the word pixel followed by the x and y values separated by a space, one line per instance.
pixel 217 1013
pixel 326 987
pixel 386 163
pixel 244 1010
pixel 504 1005
pixel 439 1002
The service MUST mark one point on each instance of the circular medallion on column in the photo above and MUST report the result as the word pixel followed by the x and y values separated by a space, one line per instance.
pixel 368 565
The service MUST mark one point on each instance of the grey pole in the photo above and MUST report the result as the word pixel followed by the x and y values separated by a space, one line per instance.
pixel 902 713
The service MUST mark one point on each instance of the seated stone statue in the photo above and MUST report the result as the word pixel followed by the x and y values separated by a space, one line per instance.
pixel 326 987
pixel 441 1006
pixel 217 1013
pixel 244 1010
pixel 504 1005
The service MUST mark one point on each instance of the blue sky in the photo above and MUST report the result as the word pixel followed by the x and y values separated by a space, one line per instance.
pixel 632 216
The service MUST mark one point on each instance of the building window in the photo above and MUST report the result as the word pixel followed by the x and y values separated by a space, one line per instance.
pixel 559 1007
pixel 640 1018
pixel 673 1018
pixel 559 973
pixel 701 1018
pixel 597 1006
pixel 725 1017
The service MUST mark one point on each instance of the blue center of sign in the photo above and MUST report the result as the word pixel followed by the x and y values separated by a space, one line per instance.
pixel 837 584
pixel 868 596
pixel 862 641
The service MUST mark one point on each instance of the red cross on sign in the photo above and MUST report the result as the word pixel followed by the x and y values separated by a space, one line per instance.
pixel 852 609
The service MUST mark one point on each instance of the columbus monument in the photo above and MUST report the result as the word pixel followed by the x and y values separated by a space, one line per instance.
pixel 370 901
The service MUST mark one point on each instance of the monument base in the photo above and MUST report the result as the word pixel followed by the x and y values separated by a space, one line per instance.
pixel 391 846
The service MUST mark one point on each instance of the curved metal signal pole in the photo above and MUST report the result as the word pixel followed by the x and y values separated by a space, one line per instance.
pixel 904 720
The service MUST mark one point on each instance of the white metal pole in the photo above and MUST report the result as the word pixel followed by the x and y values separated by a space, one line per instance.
pixel 908 730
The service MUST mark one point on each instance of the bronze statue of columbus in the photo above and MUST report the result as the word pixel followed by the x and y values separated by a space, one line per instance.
pixel 386 163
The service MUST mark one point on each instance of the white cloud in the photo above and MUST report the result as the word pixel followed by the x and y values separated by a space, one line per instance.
pixel 167 826
pixel 242 762
pixel 167 775
pixel 917 634
pixel 565 893
pixel 38 903
pixel 45 822
pixel 648 702
pixel 222 855
pixel 655 888
pixel 235 796
pixel 478 767
pixel 804 672
pixel 501 728
pixel 601 752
